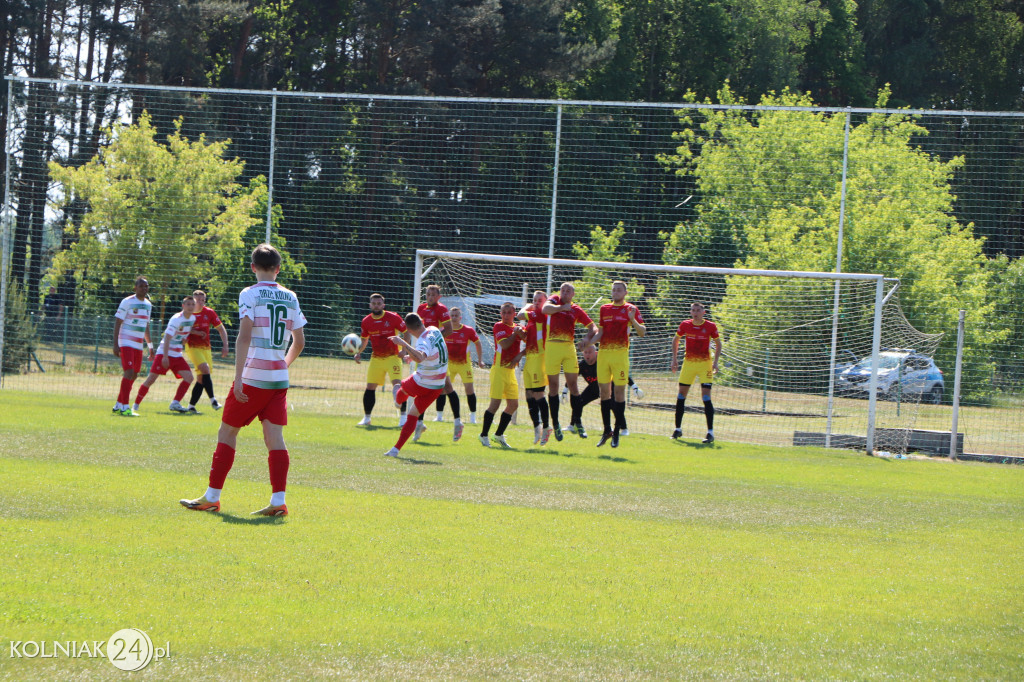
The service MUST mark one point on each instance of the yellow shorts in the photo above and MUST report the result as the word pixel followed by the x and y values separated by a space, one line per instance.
pixel 613 366
pixel 503 383
pixel 696 368
pixel 198 355
pixel 460 369
pixel 534 376
pixel 560 355
pixel 382 368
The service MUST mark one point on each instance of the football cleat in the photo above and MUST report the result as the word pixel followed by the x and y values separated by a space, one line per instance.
pixel 472 417
pixel 545 436
pixel 615 439
pixel 485 441
pixel 129 412
pixel 457 433
pixel 572 428
pixel 200 504
pixel 214 404
pixel 192 409
pixel 710 438
pixel 271 510
pixel 420 428
pixel 175 406
pixel 604 438
pixel 393 452
pixel 558 432
pixel 365 421
pixel 117 409
pixel 580 431
pixel 538 433
pixel 502 442
pixel 678 433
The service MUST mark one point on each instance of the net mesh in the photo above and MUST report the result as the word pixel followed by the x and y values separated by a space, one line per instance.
pixel 350 186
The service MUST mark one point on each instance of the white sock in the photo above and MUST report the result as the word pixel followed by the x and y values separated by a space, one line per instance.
pixel 135 407
pixel 277 499
pixel 212 495
pixel 458 422
pixel 711 432
pixel 118 406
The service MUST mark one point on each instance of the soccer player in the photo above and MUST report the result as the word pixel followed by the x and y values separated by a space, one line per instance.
pixel 268 314
pixel 386 360
pixel 131 329
pixel 560 347
pixel 617 319
pixel 425 384
pixel 697 362
pixel 436 314
pixel 168 356
pixel 197 348
pixel 460 365
pixel 508 337
pixel 592 391
pixel 534 375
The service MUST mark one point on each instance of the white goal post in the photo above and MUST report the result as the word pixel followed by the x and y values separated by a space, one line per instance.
pixel 472 278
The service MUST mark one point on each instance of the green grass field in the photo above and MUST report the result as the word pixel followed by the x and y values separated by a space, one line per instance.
pixel 656 560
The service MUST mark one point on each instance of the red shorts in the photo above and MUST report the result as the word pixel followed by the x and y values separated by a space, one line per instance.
pixel 269 404
pixel 131 358
pixel 177 365
pixel 422 397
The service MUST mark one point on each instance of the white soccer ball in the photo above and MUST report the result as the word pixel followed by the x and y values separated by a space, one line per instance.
pixel 350 344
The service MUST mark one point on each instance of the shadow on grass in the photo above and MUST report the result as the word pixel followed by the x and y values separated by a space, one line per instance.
pixel 697 445
pixel 413 460
pixel 252 520
pixel 616 459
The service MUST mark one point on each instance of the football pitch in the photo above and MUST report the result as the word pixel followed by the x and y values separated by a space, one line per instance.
pixel 658 559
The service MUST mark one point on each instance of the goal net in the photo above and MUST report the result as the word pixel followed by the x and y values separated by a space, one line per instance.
pixel 806 358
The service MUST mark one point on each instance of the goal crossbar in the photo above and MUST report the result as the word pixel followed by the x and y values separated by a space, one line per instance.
pixel 551 263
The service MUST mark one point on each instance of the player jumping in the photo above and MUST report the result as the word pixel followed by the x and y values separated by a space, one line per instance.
pixel 461 365
pixel 507 343
pixel 560 349
pixel 535 377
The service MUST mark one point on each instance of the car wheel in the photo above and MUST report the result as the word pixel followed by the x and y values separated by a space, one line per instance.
pixel 935 395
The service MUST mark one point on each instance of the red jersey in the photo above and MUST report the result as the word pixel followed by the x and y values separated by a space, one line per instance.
pixel 458 344
pixel 379 329
pixel 614 320
pixel 562 325
pixel 434 316
pixel 205 320
pixel 698 338
pixel 505 356
pixel 536 329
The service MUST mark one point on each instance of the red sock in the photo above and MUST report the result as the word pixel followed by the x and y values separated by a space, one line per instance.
pixel 126 391
pixel 410 426
pixel 223 458
pixel 143 390
pixel 277 460
pixel 182 387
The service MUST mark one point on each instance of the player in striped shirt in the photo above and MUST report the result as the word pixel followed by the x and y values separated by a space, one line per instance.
pixel 385 360
pixel 460 365
pixel 508 338
pixel 168 356
pixel 560 349
pixel 431 356
pixel 697 362
pixel 131 330
pixel 269 315
pixel 436 314
pixel 616 320
pixel 535 378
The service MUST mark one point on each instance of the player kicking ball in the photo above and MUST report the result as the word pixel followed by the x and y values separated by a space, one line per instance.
pixel 269 314
pixel 431 356
pixel 168 356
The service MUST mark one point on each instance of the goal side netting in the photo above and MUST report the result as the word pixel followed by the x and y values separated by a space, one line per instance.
pixel 789 339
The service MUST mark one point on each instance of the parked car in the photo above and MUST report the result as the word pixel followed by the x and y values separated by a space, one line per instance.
pixel 901 372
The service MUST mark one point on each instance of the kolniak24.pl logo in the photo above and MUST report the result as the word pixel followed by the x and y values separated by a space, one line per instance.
pixel 129 649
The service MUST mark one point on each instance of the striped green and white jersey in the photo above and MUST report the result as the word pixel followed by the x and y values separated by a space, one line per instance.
pixel 134 315
pixel 274 311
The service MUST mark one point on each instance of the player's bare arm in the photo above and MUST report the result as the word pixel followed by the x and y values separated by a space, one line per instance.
pixel 638 327
pixel 298 343
pixel 362 347
pixel 479 353
pixel 675 354
pixel 446 328
pixel 242 343
pixel 223 340
pixel 166 362
pixel 117 332
pixel 589 340
pixel 718 352
pixel 550 308
pixel 411 352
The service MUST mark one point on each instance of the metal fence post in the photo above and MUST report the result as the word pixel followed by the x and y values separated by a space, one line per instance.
pixel 956 383
pixel 96 354
pixel 554 195
pixel 6 223
pixel 270 172
pixel 839 268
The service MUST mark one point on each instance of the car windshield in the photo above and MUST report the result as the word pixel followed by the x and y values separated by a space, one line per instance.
pixel 884 362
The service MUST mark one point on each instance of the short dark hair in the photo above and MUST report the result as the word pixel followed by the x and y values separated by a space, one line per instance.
pixel 140 279
pixel 198 291
pixel 266 257
pixel 413 321
pixel 373 296
pixel 189 297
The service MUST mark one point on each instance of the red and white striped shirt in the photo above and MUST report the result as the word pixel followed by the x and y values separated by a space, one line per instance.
pixel 274 311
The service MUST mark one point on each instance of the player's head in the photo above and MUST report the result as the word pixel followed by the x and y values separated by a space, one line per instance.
pixel 53 290
pixel 590 354
pixel 414 324
pixel 376 304
pixel 200 297
pixel 433 294
pixel 566 292
pixel 618 291
pixel 266 260
pixel 456 316
pixel 697 311
pixel 188 304
pixel 539 298
pixel 141 287
pixel 508 312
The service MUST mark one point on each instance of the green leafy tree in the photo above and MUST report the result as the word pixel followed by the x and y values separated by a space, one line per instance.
pixel 596 283
pixel 899 220
pixel 168 211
